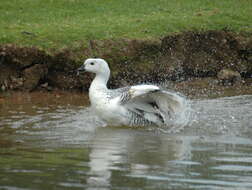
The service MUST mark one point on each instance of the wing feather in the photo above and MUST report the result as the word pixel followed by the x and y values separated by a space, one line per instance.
pixel 152 103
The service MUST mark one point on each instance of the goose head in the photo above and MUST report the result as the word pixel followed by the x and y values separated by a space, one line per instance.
pixel 95 65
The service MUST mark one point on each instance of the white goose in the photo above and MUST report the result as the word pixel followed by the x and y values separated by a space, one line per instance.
pixel 138 105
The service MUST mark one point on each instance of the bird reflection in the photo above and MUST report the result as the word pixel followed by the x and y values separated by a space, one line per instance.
pixel 136 153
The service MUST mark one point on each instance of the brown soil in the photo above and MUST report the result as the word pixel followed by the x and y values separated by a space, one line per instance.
pixel 192 60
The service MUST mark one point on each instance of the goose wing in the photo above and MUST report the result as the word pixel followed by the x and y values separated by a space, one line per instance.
pixel 152 103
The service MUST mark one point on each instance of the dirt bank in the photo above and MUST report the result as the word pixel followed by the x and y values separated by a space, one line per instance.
pixel 210 60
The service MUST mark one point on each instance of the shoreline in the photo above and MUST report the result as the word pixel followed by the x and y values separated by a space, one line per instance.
pixel 196 88
pixel 210 60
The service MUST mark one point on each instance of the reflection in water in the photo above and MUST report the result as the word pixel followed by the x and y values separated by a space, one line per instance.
pixel 137 154
pixel 171 160
pixel 64 146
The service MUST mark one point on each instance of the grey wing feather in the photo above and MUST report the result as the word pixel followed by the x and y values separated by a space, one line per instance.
pixel 157 107
pixel 128 96
pixel 118 92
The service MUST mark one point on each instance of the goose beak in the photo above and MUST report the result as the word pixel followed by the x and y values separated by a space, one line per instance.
pixel 80 70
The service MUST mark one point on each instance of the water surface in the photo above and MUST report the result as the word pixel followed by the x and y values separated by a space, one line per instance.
pixel 56 142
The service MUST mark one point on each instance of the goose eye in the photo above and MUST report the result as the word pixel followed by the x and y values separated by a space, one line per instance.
pixel 92 63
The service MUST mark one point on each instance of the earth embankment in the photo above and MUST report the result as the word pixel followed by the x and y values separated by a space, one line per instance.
pixel 191 60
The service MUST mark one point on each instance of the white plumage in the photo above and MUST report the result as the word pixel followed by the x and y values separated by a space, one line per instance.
pixel 138 105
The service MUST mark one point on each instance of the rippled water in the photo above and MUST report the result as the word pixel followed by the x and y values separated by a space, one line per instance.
pixel 56 143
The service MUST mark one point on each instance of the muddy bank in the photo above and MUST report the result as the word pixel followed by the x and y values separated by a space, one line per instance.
pixel 200 60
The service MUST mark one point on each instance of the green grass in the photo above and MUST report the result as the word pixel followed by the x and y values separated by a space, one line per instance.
pixel 67 23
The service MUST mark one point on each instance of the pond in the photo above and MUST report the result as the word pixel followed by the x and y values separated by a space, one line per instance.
pixel 55 142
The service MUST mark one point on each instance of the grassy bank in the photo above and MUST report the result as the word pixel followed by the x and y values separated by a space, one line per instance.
pixel 61 23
